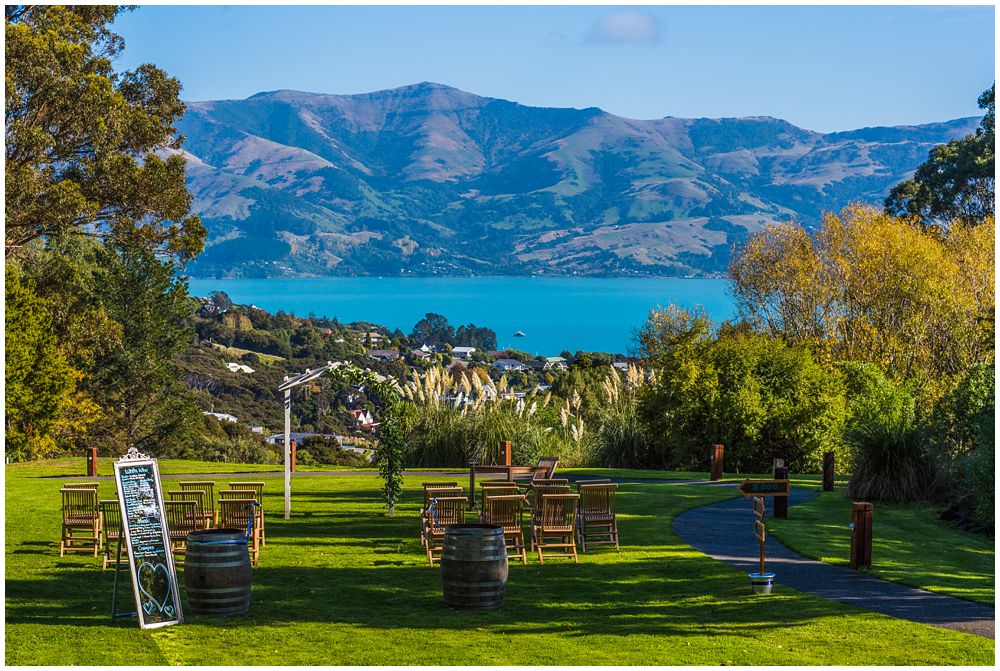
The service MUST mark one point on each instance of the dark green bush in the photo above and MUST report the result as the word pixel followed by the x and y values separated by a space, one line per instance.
pixel 320 450
pixel 760 397
pixel 890 459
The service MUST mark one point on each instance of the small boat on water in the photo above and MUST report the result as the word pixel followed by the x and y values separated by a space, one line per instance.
pixel 519 334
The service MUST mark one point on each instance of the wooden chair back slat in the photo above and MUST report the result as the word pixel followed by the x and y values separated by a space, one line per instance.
pixel 207 486
pixel 181 518
pixel 197 496
pixel 595 481
pixel 598 499
pixel 545 468
pixel 235 513
pixel 448 510
pixel 111 518
pixel 505 510
pixel 81 485
pixel 439 492
pixel 256 487
pixel 559 512
pixel 79 504
pixel 497 489
pixel 426 485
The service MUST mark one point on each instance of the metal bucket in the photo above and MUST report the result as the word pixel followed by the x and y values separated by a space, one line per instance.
pixel 761 583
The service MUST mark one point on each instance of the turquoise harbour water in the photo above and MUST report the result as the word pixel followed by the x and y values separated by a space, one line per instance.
pixel 556 314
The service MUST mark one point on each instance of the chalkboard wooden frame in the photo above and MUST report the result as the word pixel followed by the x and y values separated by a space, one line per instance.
pixel 137 478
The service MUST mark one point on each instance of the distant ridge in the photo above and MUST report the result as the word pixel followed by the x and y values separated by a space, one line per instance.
pixel 430 179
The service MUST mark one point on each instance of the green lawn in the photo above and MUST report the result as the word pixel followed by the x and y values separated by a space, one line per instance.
pixel 341 583
pixel 910 545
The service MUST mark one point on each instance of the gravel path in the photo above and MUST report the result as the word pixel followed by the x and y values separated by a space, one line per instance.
pixel 724 531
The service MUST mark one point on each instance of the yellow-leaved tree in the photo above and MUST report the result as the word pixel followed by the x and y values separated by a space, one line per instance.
pixel 874 288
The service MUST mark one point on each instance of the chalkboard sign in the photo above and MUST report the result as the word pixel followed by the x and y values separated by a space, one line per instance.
pixel 147 539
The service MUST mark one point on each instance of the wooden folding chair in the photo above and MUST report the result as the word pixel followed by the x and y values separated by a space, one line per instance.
pixel 236 514
pixel 200 520
pixel 89 484
pixel 596 520
pixel 111 523
pixel 556 525
pixel 445 511
pixel 425 516
pixel 81 521
pixel 258 494
pixel 182 519
pixel 507 511
pixel 536 492
pixel 207 486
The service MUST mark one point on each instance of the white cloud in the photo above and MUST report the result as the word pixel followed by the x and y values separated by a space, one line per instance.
pixel 626 27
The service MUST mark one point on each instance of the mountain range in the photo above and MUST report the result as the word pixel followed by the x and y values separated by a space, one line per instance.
pixel 428 179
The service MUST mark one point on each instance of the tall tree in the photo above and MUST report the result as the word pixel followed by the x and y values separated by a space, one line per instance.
pixel 83 142
pixel 870 287
pixel 138 380
pixel 37 378
pixel 957 182
pixel 433 329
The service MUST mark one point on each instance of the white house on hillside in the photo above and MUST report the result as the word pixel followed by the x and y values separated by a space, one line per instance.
pixel 463 352
pixel 504 365
pixel 221 416
pixel 239 368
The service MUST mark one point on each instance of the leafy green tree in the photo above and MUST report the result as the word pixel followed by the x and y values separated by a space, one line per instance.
pixel 37 378
pixel 756 394
pixel 433 329
pixel 82 140
pixel 957 182
pixel 139 381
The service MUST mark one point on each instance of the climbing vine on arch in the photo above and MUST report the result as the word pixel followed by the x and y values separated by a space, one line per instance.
pixel 383 399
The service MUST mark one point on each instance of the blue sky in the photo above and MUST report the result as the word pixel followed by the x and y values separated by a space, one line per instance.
pixel 822 68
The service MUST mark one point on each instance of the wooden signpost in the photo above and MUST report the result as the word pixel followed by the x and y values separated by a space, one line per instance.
pixel 147 543
pixel 759 489
pixel 759 526
pixel 763 487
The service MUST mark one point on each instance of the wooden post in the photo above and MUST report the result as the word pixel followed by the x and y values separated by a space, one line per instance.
pixel 828 471
pixel 91 462
pixel 781 502
pixel 472 461
pixel 505 449
pixel 718 452
pixel 861 535
pixel 293 451
pixel 760 525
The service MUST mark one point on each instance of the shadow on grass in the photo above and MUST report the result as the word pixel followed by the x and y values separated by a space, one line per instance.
pixel 689 595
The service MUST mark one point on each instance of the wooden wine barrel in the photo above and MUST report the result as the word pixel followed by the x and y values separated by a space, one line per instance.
pixel 217 573
pixel 474 566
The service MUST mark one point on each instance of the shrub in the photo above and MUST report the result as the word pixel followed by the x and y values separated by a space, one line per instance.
pixel 620 440
pixel 240 450
pixel 757 395
pixel 320 450
pixel 890 462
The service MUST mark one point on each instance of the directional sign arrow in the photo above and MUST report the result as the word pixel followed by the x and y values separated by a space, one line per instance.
pixel 763 487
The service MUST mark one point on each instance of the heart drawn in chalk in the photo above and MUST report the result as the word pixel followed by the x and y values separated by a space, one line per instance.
pixel 154 583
